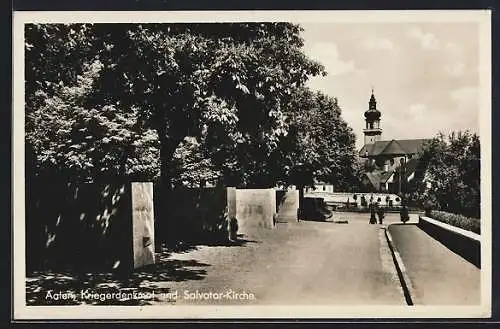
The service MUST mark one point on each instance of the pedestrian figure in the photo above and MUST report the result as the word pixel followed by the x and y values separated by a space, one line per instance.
pixel 380 211
pixel 373 219
pixel 363 201
pixel 233 229
pixel 404 212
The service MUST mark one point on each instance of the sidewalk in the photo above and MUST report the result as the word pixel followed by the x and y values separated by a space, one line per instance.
pixel 438 275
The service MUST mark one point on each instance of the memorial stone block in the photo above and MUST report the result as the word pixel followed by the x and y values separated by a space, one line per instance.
pixel 143 224
pixel 289 205
pixel 255 209
pixel 231 201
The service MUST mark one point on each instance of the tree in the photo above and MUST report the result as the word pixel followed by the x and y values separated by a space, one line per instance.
pixel 319 140
pixel 191 167
pixel 224 84
pixel 452 178
pixel 75 142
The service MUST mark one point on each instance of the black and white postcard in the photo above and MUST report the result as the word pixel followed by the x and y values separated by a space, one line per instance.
pixel 252 164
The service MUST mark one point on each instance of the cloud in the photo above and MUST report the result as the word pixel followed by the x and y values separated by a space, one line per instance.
pixel 453 48
pixel 327 53
pixel 455 57
pixel 378 43
pixel 456 69
pixel 465 96
pixel 425 81
pixel 427 40
pixel 417 109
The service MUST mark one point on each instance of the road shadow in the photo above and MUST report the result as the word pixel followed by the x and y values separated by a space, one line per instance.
pixel 187 246
pixel 41 286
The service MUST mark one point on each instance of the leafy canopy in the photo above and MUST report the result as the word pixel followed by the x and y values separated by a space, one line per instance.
pixel 109 99
pixel 452 179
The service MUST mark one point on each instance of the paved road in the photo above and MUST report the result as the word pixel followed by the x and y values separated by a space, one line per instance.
pixel 300 263
pixel 438 275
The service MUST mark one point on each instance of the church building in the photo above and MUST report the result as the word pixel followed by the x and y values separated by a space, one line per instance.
pixel 386 160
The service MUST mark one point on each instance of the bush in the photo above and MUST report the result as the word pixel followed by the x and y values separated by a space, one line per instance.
pixel 463 222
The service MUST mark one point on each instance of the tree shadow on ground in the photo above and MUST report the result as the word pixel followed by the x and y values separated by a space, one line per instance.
pixel 141 287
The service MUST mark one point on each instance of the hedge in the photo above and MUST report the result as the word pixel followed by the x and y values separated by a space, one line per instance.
pixel 463 222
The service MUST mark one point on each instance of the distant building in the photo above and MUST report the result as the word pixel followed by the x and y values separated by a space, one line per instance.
pixel 320 186
pixel 385 160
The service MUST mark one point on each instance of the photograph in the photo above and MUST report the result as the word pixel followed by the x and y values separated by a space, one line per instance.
pixel 252 164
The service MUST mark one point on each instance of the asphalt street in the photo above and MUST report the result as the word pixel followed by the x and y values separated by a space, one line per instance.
pixel 299 263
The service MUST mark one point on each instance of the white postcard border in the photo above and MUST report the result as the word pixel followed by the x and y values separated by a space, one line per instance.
pixel 23 312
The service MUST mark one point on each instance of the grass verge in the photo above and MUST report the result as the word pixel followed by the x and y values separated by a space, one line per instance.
pixel 463 222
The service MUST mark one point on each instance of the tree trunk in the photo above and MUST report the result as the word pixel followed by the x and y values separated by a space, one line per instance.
pixel 165 229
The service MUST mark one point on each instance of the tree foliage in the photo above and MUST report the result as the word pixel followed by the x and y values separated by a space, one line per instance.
pixel 452 179
pixel 191 167
pixel 320 145
pixel 107 99
pixel 83 143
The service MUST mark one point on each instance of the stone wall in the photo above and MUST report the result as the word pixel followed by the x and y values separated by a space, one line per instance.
pixel 191 215
pixel 464 243
pixel 83 226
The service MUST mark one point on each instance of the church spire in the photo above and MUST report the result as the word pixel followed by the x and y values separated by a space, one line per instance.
pixel 372 130
pixel 372 113
pixel 373 102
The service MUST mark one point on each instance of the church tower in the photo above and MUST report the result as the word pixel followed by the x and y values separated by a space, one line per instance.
pixel 372 131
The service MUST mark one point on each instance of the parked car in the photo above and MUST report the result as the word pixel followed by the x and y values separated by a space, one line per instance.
pixel 315 209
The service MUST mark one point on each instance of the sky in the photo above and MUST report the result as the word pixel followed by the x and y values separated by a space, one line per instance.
pixel 425 76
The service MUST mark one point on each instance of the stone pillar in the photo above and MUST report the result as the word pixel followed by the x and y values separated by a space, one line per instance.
pixel 142 224
pixel 231 212
pixel 272 205
pixel 231 201
pixel 289 206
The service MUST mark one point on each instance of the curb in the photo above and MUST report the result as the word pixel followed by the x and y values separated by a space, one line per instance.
pixel 404 279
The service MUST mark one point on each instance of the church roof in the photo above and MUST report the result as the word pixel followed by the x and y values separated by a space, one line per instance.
pixel 393 147
pixel 374 178
pixel 379 177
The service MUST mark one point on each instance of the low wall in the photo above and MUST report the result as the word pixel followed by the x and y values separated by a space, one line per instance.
pixel 465 243
pixel 190 215
pixel 342 197
pixel 89 226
